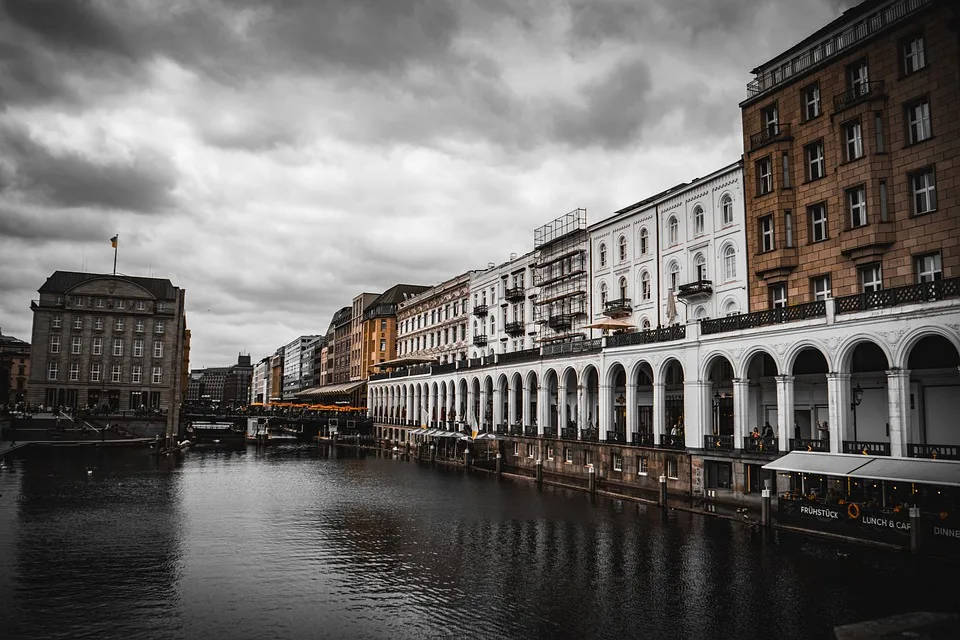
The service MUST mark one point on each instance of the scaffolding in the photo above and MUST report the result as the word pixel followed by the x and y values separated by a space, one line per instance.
pixel 561 273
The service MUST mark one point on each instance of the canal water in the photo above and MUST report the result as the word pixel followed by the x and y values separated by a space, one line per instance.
pixel 288 544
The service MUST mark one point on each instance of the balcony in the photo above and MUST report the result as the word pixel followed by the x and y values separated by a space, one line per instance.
pixel 530 431
pixel 911 294
pixel 480 341
pixel 934 451
pixel 665 334
pixel 560 322
pixel 514 294
pixel 641 439
pixel 771 134
pixel 525 355
pixel 502 429
pixel 696 291
pixel 760 445
pixel 481 310
pixel 868 241
pixel 861 447
pixel 675 442
pixel 778 262
pixel 576 346
pixel 718 443
pixel 616 437
pixel 617 308
pixel 514 328
pixel 568 433
pixel 809 444
pixel 858 93
pixel 780 315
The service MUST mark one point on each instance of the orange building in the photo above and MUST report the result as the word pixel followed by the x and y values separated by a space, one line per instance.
pixel 379 339
pixel 852 140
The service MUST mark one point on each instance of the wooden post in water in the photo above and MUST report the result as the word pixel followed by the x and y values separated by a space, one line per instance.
pixel 466 458
pixel 592 480
pixel 539 473
pixel 914 529
pixel 499 464
pixel 433 452
pixel 663 491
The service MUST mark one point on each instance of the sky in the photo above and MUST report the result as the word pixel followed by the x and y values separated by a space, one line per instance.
pixel 276 158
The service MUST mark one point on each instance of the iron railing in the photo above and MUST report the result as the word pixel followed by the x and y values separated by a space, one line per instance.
pixel 934 451
pixel 560 321
pixel 718 443
pixel 514 328
pixel 670 441
pixel 857 94
pixel 866 448
pixel 514 294
pixel 590 435
pixel 617 307
pixel 530 431
pixel 698 287
pixel 760 445
pixel 480 310
pixel 618 437
pixel 665 334
pixel 779 315
pixel 516 430
pixel 444 368
pixel 910 294
pixel 480 341
pixel 577 346
pixel 519 356
pixel 568 433
pixel 641 439
pixel 809 444
pixel 502 429
pixel 768 135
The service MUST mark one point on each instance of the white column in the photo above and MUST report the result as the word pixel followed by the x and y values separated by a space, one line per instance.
pixel 605 412
pixel 631 409
pixel 562 417
pixel 484 417
pixel 497 407
pixel 581 410
pixel 785 413
pixel 526 417
pixel 898 409
pixel 741 411
pixel 838 395
pixel 431 403
pixel 543 407
pixel 694 423
pixel 471 415
pixel 659 410
pixel 512 404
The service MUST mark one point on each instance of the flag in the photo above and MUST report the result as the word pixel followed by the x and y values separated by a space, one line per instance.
pixel 113 241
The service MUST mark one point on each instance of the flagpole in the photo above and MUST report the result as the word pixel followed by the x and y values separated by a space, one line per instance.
pixel 116 246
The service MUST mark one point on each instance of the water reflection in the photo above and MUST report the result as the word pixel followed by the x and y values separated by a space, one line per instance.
pixel 289 543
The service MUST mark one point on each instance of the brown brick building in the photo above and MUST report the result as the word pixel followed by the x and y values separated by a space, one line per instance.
pixel 852 156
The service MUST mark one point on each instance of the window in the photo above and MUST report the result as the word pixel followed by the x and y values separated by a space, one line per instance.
pixel 158 348
pixel 118 347
pixel 549 453
pixel 766 234
pixel 95 372
pixel 928 267
pixel 603 255
pixel 141 305
pixel 644 241
pixel 138 348
pixel 139 326
pixel 729 263
pixel 698 223
pixel 623 289
pixel 642 467
pixel 531 450
pixel 98 346
pixel 53 370
pixel 74 371
pixel 924 189
pixel 731 309
pixel 645 324
pixel 673 231
pixel 78 323
pixel 158 328
pixel 785 162
pixel 623 248
pixel 645 286
pixel 814 156
pixel 858 80
pixel 136 375
pixel 121 304
pixel 820 287
pixel 778 296
pixel 79 301
pixel 764 176
pixel 383 321
pixel 674 276
pixel 817 215
pixel 98 324
pixel 115 372
pixel 586 458
pixel 54 344
pixel 118 325
pixel 672 468
pixel 700 266
pixel 76 343
pixel 516 448
pixel 55 322
pixel 852 141
pixel 98 303
pixel 917 118
pixel 617 462
pixel 857 206
pixel 383 343
pixel 157 375
pixel 912 52
pixel 769 117
pixel 870 278
pixel 726 205
pixel 603 295
pixel 567 455
pixel 878 131
pixel 811 101
pixel 883 201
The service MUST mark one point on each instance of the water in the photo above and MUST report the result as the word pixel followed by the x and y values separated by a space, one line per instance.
pixel 290 545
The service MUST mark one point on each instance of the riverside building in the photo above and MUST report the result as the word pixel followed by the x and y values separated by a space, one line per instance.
pixel 433 326
pixel 503 317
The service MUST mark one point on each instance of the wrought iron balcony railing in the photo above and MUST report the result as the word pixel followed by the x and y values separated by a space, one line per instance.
pixel 911 294
pixel 696 288
pixel 816 309
pixel 866 448
pixel 665 334
pixel 760 445
pixel 934 451
pixel 481 310
pixel 514 294
pixel 857 94
pixel 809 444
pixel 480 341
pixel 641 439
pixel 514 328
pixel 620 307
pixel 718 443
pixel 770 134
pixel 560 321
pixel 669 441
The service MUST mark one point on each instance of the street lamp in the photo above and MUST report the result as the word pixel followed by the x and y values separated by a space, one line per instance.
pixel 857 399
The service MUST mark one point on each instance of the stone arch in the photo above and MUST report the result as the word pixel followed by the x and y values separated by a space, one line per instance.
pixel 845 352
pixel 565 376
pixel 790 358
pixel 614 369
pixel 661 371
pixel 907 343
pixel 638 366
pixel 741 368
pixel 707 362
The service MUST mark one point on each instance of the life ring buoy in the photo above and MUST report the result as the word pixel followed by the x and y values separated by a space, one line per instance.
pixel 853 510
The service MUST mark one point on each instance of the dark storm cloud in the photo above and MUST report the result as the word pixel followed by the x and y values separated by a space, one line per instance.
pixel 69 24
pixel 48 226
pixel 69 179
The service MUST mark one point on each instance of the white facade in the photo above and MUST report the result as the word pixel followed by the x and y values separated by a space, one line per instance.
pixel 690 239
pixel 503 314
pixel 435 323
pixel 292 365
pixel 259 381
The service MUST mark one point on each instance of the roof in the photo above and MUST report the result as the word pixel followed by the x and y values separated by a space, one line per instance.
pixel 331 389
pixel 63 281
pixel 398 293
pixel 920 470
pixel 341 316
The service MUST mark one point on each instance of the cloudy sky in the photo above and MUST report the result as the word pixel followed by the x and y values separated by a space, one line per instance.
pixel 275 158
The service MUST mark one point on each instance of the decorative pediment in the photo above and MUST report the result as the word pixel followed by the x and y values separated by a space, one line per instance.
pixel 110 287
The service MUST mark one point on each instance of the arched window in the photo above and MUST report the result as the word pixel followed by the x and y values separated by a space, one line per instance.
pixel 700 266
pixel 624 294
pixel 729 263
pixel 700 314
pixel 698 224
pixel 674 272
pixel 644 239
pixel 726 204
pixel 645 324
pixel 673 231
pixel 623 248
pixel 603 295
pixel 603 254
pixel 644 286
pixel 731 309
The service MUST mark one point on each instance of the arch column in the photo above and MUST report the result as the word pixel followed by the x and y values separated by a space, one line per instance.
pixel 543 406
pixel 511 404
pixel 526 418
pixel 741 410
pixel 410 404
pixel 693 405
pixel 898 410
pixel 659 409
pixel 604 421
pixel 431 403
pixel 483 417
pixel 631 409
pixel 471 414
pixel 450 403
pixel 838 396
pixel 497 406
pixel 581 410
pixel 562 417
pixel 785 412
